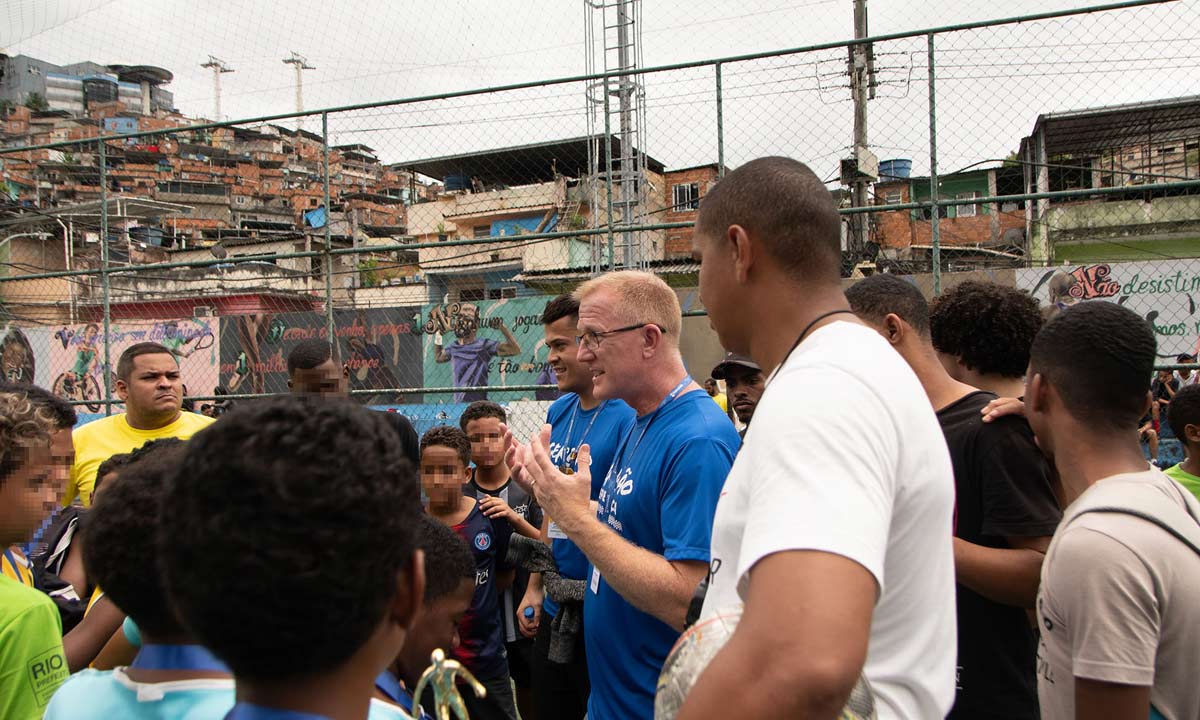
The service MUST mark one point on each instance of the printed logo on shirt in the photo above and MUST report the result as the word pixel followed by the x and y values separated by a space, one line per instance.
pixel 481 577
pixel 625 482
pixel 46 672
pixel 483 541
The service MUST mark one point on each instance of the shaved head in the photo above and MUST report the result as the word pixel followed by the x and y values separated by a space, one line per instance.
pixel 783 204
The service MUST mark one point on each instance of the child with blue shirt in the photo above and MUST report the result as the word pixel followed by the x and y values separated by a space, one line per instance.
pixel 445 460
pixel 299 575
pixel 171 677
pixel 449 589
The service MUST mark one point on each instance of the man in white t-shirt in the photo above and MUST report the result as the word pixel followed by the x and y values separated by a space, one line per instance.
pixel 834 526
pixel 1119 605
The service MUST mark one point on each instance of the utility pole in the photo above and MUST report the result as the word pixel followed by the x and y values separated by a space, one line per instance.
pixel 218 66
pixel 301 64
pixel 862 88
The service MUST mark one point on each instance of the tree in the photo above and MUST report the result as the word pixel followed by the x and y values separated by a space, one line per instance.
pixel 36 102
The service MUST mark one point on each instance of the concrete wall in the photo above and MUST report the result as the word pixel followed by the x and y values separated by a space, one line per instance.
pixel 1073 222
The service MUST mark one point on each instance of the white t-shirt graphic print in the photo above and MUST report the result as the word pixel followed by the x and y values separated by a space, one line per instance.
pixel 846 456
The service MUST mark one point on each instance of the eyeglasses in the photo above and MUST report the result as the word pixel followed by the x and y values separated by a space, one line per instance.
pixel 592 340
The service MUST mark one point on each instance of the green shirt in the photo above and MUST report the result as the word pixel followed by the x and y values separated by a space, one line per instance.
pixel 1189 481
pixel 32 663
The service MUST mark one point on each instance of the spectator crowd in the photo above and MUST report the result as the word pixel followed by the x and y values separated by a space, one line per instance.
pixel 929 510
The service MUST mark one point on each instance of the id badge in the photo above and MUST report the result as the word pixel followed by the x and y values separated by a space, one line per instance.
pixel 595 585
pixel 555 532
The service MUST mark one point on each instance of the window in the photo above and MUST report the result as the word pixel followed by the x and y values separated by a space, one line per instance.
pixel 893 197
pixel 240 199
pixel 967 210
pixel 502 293
pixel 472 295
pixel 685 196
pixel 482 231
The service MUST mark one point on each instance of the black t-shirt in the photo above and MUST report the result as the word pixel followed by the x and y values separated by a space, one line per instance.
pixel 1159 388
pixel 526 507
pixel 1003 489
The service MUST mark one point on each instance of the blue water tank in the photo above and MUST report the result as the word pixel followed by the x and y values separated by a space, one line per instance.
pixel 457 182
pixel 897 168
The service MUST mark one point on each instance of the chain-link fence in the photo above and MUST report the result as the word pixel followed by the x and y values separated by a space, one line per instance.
pixel 1059 153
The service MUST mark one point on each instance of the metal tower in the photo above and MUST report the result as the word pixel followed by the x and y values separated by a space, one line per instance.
pixel 301 64
pixel 616 113
pixel 218 66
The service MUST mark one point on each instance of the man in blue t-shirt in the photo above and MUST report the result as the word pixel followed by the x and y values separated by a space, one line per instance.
pixel 560 671
pixel 648 542
pixel 470 356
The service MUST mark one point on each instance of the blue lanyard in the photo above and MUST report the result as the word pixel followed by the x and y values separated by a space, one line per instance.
pixel 620 463
pixel 569 466
pixel 177 657
pixel 249 711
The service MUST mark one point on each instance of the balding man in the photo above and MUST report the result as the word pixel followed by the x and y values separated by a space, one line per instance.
pixel 649 541
pixel 833 533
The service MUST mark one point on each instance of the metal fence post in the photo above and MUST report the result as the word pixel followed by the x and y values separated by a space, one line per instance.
pixel 608 170
pixel 104 277
pixel 935 239
pixel 328 234
pixel 720 124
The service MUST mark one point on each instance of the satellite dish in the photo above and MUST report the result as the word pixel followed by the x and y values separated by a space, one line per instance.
pixel 218 251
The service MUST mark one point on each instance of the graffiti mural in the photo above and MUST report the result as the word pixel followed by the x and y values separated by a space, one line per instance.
pixel 75 355
pixel 493 343
pixel 1165 293
pixel 378 346
pixel 16 355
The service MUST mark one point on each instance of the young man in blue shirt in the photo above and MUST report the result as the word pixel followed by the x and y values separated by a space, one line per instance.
pixel 301 577
pixel 648 543
pixel 560 682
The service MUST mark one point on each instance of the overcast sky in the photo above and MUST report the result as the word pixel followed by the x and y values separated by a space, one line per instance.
pixel 992 83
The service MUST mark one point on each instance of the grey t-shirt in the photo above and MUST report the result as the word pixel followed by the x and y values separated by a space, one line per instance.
pixel 1120 599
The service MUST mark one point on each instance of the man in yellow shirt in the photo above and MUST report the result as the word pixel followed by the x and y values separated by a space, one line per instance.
pixel 714 392
pixel 149 383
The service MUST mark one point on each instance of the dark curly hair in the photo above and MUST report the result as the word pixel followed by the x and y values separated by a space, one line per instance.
pixel 481 409
pixel 113 464
pixel 283 531
pixel 1184 410
pixel 990 327
pixel 120 552
pixel 451 437
pixel 447 558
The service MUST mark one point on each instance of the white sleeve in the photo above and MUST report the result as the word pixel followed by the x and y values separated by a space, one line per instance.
pixel 823 473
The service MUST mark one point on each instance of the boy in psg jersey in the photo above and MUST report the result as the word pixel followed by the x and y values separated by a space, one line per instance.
pixel 301 578
pixel 511 510
pixel 445 456
pixel 560 684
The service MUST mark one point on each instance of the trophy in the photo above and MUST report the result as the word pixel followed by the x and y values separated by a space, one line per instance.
pixel 442 675
pixel 696 647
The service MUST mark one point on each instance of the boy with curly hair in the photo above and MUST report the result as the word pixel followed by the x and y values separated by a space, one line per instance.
pixel 32 662
pixel 982 332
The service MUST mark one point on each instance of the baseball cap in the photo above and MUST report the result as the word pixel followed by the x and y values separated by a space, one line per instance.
pixel 730 360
